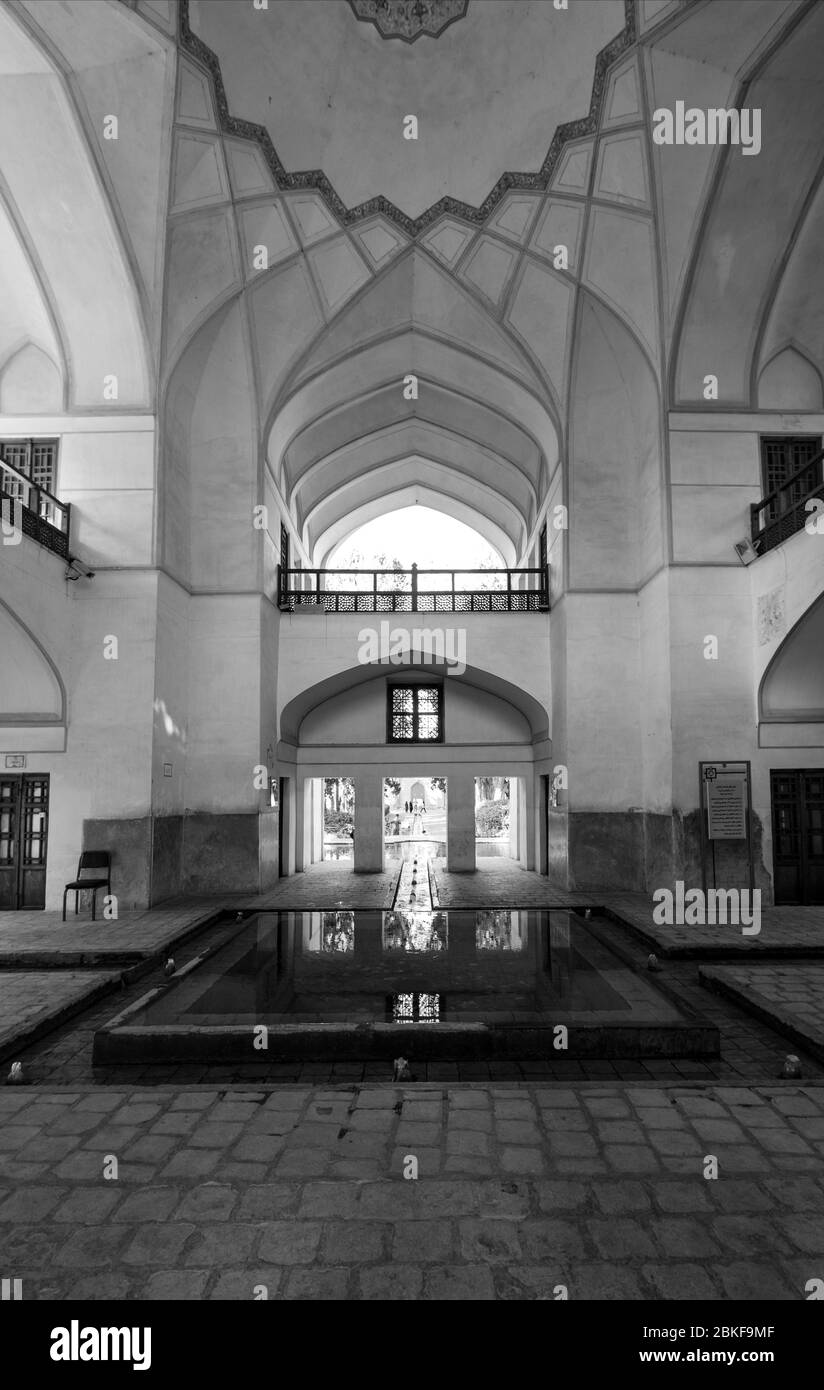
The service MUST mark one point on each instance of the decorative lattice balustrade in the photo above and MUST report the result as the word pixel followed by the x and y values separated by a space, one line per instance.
pixel 413 591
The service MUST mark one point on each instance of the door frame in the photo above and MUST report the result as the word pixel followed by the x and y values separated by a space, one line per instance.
pixel 23 875
pixel 804 876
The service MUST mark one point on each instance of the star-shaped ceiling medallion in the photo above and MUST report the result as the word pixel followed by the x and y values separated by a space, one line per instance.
pixel 408 19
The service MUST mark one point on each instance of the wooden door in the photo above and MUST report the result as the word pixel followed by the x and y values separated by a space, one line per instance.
pixel 24 822
pixel 798 835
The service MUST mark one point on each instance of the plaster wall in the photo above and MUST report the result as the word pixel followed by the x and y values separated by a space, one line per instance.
pixel 171 695
pixel 104 771
pixel 223 704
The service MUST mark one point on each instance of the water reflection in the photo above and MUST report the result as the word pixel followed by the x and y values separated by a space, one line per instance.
pixel 415 931
pixel 415 1008
pixel 498 930
pixel 413 966
pixel 331 931
pixel 412 849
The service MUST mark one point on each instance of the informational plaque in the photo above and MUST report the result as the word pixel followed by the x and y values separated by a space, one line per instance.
pixel 726 804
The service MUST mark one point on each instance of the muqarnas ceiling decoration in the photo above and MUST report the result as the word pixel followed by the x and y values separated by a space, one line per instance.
pixel 408 19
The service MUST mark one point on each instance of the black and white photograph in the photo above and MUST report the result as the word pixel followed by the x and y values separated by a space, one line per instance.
pixel 412 672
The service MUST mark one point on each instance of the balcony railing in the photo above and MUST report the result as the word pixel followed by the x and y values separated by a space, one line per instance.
pixel 37 513
pixel 783 512
pixel 413 591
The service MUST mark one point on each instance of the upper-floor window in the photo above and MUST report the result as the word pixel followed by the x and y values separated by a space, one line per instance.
pixel 791 479
pixel 782 456
pixel 35 458
pixel 415 713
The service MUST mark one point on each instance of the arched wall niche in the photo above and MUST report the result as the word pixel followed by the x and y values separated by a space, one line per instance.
pixel 790 381
pixel 357 717
pixel 32 693
pixel 792 687
pixel 525 713
pixel 31 383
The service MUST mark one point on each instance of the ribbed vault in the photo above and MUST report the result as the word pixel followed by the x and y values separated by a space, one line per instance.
pixel 474 431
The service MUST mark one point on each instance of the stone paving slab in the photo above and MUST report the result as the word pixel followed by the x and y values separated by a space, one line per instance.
pixel 329 885
pixel 785 931
pixel 499 882
pixel 33 1002
pixel 42 939
pixel 788 996
pixel 520 1189
pixel 27 936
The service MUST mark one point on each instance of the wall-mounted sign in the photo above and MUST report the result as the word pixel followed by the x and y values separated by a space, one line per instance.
pixel 15 760
pixel 168 769
pixel 727 805
pixel 726 816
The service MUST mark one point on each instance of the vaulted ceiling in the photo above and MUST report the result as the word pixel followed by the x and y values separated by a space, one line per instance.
pixel 333 93
pixel 81 215
pixel 245 131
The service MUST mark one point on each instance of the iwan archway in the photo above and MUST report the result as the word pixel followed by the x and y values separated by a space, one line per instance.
pixel 343 727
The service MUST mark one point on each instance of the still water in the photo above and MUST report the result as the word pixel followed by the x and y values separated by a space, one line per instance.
pixel 422 966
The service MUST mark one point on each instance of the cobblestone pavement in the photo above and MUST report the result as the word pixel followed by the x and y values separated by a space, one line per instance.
pixel 791 994
pixel 519 1190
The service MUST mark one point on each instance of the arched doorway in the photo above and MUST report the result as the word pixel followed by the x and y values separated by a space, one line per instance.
pixel 412 790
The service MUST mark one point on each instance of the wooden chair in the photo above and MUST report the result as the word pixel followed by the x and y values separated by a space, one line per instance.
pixel 89 859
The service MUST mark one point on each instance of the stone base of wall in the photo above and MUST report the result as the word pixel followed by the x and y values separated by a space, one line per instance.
pixel 642 850
pixel 160 857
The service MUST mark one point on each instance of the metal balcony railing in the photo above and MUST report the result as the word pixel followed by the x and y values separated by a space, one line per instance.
pixel 34 510
pixel 413 591
pixel 783 512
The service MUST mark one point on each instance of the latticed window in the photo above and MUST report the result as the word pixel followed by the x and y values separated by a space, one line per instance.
pixel 35 458
pixel 415 713
pixel 415 1008
pixel 781 457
